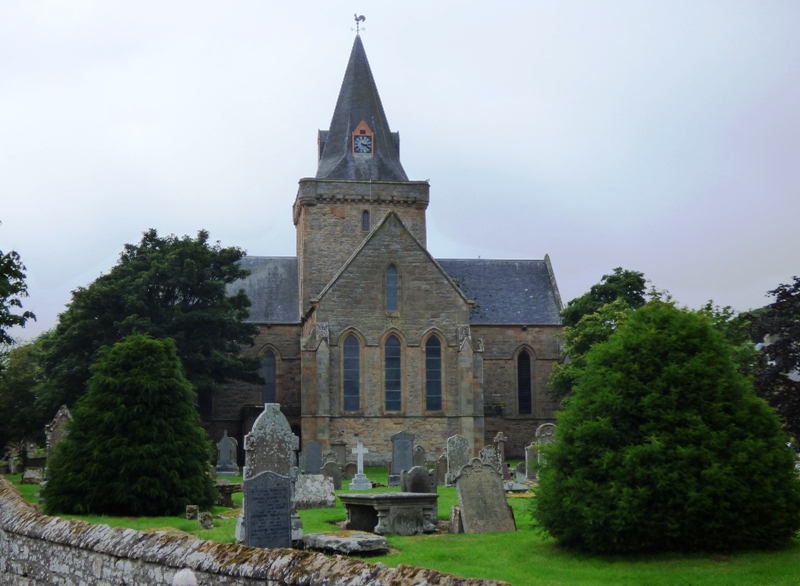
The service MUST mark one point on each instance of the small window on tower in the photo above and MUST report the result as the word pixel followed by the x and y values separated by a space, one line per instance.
pixel 365 221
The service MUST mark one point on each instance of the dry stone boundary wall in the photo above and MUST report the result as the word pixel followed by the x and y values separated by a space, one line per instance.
pixel 37 549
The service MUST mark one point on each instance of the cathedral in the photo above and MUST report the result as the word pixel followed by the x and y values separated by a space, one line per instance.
pixel 364 334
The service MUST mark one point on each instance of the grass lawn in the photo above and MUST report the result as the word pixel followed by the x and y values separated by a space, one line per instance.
pixel 521 558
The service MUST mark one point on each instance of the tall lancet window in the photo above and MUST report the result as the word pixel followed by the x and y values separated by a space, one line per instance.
pixel 365 221
pixel 351 373
pixel 433 374
pixel 392 374
pixel 524 383
pixel 391 288
pixel 270 374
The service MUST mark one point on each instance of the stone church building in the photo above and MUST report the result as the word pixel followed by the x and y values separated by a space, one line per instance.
pixel 364 334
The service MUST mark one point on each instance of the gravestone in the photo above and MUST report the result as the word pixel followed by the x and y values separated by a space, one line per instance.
pixel 226 456
pixel 339 447
pixel 333 471
pixel 490 456
pixel 205 520
pixel 268 514
pixel 402 455
pixel 312 450
pixel 457 457
pixel 192 512
pixel 360 480
pixel 314 491
pixel 500 445
pixel 56 430
pixel 270 447
pixel 329 456
pixel 482 501
pixel 545 434
pixel 441 470
pixel 419 458
pixel 520 473
pixel 350 470
pixel 420 479
pixel 531 456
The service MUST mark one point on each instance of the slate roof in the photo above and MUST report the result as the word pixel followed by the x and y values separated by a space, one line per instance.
pixel 359 100
pixel 272 288
pixel 507 291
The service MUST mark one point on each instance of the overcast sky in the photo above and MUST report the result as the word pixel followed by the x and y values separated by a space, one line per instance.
pixel 662 137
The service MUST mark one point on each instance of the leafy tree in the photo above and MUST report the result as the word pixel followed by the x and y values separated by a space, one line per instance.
pixel 20 377
pixel 135 446
pixel 737 329
pixel 664 447
pixel 630 286
pixel 778 379
pixel 591 329
pixel 166 287
pixel 12 289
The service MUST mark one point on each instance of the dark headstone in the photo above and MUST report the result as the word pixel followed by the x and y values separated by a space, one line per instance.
pixel 402 456
pixel 420 479
pixel 312 450
pixel 267 517
pixel 482 500
pixel 333 471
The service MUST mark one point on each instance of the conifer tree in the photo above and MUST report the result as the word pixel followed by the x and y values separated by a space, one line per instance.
pixel 135 446
pixel 665 447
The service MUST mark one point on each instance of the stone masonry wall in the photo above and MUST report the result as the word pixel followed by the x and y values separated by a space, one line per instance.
pixel 39 550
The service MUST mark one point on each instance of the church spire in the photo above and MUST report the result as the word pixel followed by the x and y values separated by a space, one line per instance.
pixel 359 144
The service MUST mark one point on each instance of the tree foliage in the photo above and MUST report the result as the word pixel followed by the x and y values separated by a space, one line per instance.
pixel 135 446
pixel 12 289
pixel 778 379
pixel 664 447
pixel 630 286
pixel 165 287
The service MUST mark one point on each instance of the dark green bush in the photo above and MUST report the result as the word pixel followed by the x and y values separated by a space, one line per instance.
pixel 665 447
pixel 135 445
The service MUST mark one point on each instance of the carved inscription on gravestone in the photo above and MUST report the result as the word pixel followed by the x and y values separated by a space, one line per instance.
pixel 268 512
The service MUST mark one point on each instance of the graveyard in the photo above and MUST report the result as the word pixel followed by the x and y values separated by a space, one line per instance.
pixel 519 558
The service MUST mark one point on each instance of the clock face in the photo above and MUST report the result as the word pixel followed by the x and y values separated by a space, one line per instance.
pixel 362 144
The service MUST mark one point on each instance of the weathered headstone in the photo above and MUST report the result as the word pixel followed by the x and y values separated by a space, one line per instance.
pixel 420 479
pixel 267 515
pixel 457 457
pixel 32 476
pixel 350 470
pixel 520 473
pixel 314 491
pixel 490 456
pixel 545 434
pixel 360 480
pixel 192 512
pixel 205 520
pixel 500 444
pixel 441 470
pixel 339 447
pixel 312 450
pixel 329 456
pixel 226 456
pixel 531 456
pixel 482 500
pixel 270 447
pixel 333 471
pixel 419 458
pixel 56 430
pixel 402 455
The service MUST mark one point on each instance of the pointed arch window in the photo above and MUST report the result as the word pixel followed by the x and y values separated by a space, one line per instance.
pixel 269 372
pixel 393 374
pixel 391 288
pixel 351 377
pixel 365 221
pixel 433 374
pixel 524 383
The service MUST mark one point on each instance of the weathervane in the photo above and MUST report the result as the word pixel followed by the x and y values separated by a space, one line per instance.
pixel 359 20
